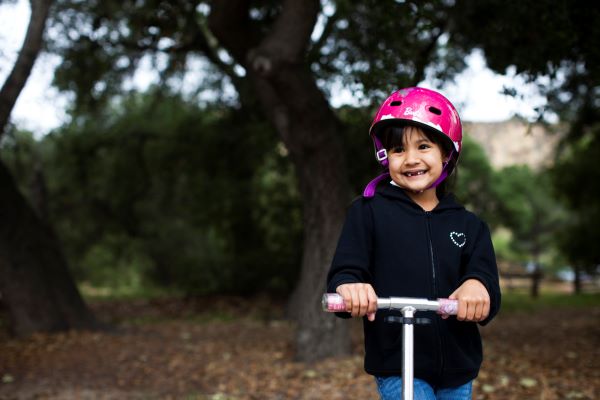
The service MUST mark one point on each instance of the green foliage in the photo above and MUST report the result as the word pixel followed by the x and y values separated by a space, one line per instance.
pixel 108 39
pixel 577 180
pixel 474 181
pixel 371 47
pixel 516 202
pixel 207 195
pixel 359 151
pixel 534 37
pixel 118 263
pixel 374 47
pixel 554 39
pixel 528 208
pixel 554 44
pixel 156 191
pixel 522 302
pixel 142 200
pixel 19 149
pixel 502 238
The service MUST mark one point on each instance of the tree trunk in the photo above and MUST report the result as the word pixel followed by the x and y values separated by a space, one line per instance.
pixel 536 279
pixel 22 69
pixel 577 279
pixel 36 287
pixel 290 99
pixel 537 274
pixel 35 284
pixel 310 132
pixel 39 192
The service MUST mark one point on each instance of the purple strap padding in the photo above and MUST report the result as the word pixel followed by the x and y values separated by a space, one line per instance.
pixel 439 180
pixel 370 189
pixel 444 173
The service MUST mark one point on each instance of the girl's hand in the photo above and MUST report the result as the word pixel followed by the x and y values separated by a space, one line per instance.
pixel 473 301
pixel 360 299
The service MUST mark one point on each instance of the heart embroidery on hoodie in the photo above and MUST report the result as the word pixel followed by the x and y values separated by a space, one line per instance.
pixel 458 239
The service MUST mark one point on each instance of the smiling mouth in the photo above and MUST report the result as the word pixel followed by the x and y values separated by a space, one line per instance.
pixel 414 173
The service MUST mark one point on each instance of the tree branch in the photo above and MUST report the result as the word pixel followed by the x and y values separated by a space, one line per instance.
pixel 229 22
pixel 15 82
pixel 290 36
pixel 313 54
pixel 424 55
pixel 287 42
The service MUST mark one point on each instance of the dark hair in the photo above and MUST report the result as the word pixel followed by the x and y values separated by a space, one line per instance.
pixel 393 136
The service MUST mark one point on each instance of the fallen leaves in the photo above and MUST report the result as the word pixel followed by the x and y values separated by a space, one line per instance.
pixel 528 382
pixel 181 351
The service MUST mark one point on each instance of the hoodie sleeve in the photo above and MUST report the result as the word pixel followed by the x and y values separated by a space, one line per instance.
pixel 481 265
pixel 353 253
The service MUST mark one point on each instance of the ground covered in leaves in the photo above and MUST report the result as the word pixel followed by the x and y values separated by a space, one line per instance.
pixel 175 349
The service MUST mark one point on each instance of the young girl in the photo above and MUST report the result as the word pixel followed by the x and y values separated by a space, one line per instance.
pixel 407 237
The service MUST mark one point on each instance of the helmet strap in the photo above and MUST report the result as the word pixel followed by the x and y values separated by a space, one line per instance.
pixel 440 179
pixel 444 173
pixel 371 186
pixel 380 152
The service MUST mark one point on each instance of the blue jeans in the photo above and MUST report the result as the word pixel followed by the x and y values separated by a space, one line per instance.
pixel 390 388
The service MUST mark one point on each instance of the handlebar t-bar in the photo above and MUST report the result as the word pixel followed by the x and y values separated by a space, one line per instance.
pixel 334 302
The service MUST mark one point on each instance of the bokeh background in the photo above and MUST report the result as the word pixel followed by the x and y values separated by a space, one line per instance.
pixel 168 235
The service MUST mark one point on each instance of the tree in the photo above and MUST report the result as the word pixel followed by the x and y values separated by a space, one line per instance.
pixel 27 55
pixel 291 100
pixel 36 286
pixel 554 40
pixel 281 69
pixel 532 214
pixel 141 199
pixel 576 181
pixel 474 181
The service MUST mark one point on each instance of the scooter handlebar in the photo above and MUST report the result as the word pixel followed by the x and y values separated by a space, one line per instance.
pixel 334 302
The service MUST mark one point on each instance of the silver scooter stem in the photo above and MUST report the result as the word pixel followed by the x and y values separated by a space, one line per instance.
pixel 408 354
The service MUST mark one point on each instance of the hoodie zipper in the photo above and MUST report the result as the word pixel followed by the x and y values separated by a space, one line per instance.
pixel 435 292
pixel 433 274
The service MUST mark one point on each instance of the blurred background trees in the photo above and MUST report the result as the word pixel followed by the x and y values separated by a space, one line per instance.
pixel 36 286
pixel 552 43
pixel 141 198
pixel 232 174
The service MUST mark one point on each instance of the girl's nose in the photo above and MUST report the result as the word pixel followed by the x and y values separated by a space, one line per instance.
pixel 412 156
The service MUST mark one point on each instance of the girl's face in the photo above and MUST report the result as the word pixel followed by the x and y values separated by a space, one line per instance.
pixel 417 163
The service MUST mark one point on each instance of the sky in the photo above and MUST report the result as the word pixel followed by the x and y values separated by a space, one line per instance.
pixel 476 92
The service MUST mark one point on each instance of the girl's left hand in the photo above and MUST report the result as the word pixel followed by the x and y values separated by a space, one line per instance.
pixel 473 301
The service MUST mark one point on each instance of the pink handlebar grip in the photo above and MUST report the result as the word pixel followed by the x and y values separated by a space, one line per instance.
pixel 448 307
pixel 333 302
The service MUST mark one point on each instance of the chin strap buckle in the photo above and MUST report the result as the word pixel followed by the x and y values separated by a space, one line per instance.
pixel 381 155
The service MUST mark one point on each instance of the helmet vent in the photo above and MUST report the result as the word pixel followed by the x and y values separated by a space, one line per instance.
pixel 435 111
pixel 395 103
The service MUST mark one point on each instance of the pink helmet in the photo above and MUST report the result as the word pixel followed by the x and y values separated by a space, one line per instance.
pixel 421 107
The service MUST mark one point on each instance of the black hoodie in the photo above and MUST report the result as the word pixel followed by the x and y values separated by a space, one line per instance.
pixel 390 242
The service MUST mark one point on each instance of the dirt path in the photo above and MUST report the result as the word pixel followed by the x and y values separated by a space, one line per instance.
pixel 169 350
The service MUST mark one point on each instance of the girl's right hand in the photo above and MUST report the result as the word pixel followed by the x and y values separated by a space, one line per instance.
pixel 360 299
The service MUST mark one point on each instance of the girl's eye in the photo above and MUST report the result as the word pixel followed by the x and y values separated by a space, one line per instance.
pixel 397 149
pixel 424 146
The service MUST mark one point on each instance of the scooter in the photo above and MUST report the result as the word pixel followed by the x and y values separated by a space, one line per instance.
pixel 333 302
